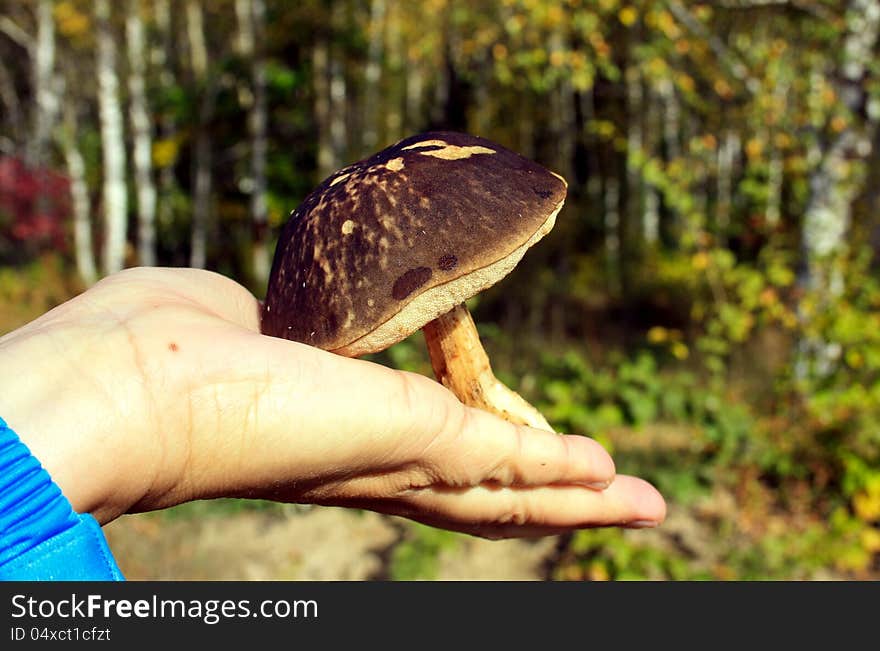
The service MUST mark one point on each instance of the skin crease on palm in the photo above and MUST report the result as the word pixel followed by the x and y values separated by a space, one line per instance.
pixel 155 387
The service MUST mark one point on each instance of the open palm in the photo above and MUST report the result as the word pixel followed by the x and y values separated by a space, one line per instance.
pixel 155 387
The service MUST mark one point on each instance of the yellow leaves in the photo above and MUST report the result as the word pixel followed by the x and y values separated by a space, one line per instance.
pixel 555 15
pixel 666 23
pixel 722 88
pixel 685 82
pixel 627 16
pixel 768 297
pixel 603 128
pixel 870 539
pixel 838 123
pixel 658 335
pixel 679 351
pixel 656 67
pixel 828 96
pixel 598 572
pixel 70 20
pixel 165 152
pixel 854 358
pixel 557 59
pixel 783 141
pixel 661 335
pixel 499 51
pixel 867 505
pixel 600 45
pixel 700 261
pixel 754 148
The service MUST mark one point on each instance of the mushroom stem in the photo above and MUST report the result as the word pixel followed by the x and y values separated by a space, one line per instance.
pixel 462 366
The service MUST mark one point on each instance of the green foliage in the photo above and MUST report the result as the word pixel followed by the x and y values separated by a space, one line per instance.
pixel 417 556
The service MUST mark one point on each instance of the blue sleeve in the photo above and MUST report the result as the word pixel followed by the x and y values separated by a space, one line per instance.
pixel 41 537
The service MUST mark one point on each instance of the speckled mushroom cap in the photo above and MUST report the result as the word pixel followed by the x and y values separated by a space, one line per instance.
pixel 389 243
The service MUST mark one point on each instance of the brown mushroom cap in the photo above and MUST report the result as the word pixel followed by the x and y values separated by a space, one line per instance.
pixel 389 243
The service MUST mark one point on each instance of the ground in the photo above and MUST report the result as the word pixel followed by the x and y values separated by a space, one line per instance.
pixel 296 543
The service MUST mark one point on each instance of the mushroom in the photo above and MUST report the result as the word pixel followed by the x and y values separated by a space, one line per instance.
pixel 399 241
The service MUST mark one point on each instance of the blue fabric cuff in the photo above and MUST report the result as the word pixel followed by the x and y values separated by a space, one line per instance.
pixel 41 537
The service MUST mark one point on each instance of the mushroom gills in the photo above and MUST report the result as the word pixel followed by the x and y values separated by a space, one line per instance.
pixel 462 366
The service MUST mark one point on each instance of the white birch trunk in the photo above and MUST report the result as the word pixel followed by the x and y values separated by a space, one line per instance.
pixel 46 96
pixel 837 180
pixel 115 195
pixel 651 210
pixel 202 154
pixel 142 135
pixel 395 63
pixel 373 75
pixel 259 124
pixel 80 202
pixel 251 33
pixel 415 84
pixel 326 158
pixel 338 93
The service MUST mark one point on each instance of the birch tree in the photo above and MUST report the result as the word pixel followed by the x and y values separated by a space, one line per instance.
pixel 114 194
pixel 44 78
pixel 839 176
pixel 202 154
pixel 372 74
pixel 142 135
pixel 81 204
pixel 251 31
pixel 164 47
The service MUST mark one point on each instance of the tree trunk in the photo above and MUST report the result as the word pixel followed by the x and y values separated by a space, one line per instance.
pixel 202 155
pixel 142 135
pixel 836 181
pixel 81 204
pixel 669 226
pixel 651 139
pixel 44 91
pixel 373 74
pixel 326 160
pixel 635 144
pixel 251 21
pixel 167 126
pixel 338 91
pixel 115 195
pixel 725 162
pixel 612 230
pixel 11 104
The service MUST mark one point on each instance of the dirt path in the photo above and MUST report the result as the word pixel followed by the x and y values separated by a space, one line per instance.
pixel 300 544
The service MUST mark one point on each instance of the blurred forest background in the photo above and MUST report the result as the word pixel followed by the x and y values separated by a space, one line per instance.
pixel 708 305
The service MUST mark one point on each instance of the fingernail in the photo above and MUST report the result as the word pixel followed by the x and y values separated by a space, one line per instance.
pixel 598 485
pixel 641 524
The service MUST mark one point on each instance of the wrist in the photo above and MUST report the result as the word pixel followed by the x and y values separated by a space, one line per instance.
pixel 41 537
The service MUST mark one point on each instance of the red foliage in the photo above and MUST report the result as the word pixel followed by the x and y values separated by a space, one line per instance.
pixel 34 205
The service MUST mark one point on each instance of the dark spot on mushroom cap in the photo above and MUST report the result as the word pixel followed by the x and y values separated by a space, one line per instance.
pixel 173 347
pixel 407 283
pixel 447 262
pixel 544 194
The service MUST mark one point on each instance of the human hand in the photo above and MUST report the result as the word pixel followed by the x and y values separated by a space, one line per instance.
pixel 155 387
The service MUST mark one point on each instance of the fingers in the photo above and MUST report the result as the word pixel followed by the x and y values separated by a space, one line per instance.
pixel 501 512
pixel 486 449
